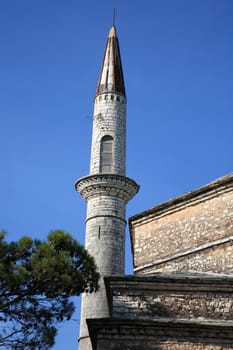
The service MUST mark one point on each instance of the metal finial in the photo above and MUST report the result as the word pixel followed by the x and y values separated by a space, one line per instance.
pixel 114 16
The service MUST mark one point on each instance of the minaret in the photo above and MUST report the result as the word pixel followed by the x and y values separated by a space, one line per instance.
pixel 106 189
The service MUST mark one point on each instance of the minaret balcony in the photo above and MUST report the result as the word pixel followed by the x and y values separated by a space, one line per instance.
pixel 113 185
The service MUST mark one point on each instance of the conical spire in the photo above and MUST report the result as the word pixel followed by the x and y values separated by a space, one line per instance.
pixel 111 76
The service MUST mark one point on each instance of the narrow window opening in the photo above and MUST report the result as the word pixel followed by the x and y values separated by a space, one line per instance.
pixel 106 158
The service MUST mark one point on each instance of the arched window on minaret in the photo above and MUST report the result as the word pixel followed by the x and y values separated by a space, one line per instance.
pixel 106 157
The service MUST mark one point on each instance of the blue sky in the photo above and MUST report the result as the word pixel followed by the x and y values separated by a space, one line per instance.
pixel 178 65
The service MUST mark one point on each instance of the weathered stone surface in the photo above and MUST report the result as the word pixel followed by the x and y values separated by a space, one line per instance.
pixel 159 334
pixel 193 232
pixel 109 119
pixel 172 296
pixel 216 258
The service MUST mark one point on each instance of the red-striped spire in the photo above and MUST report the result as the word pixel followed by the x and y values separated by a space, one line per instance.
pixel 111 76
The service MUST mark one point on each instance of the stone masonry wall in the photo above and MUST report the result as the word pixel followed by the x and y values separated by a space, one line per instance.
pixel 158 345
pixel 152 304
pixel 115 335
pixel 166 311
pixel 216 258
pixel 195 234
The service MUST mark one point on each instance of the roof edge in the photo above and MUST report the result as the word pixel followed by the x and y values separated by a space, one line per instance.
pixel 205 278
pixel 188 197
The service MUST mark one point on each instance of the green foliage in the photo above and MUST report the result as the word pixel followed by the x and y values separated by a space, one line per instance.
pixel 37 280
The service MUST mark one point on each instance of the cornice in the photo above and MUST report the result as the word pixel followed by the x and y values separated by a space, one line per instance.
pixel 195 330
pixel 172 281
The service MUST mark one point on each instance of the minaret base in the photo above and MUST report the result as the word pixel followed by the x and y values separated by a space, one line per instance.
pixel 106 196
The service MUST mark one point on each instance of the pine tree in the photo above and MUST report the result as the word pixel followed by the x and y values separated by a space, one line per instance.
pixel 37 280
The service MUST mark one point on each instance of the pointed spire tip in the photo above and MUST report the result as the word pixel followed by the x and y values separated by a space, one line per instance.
pixel 112 32
pixel 111 77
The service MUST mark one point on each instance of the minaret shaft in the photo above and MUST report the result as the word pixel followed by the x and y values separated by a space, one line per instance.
pixel 106 189
pixel 105 241
pixel 109 120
